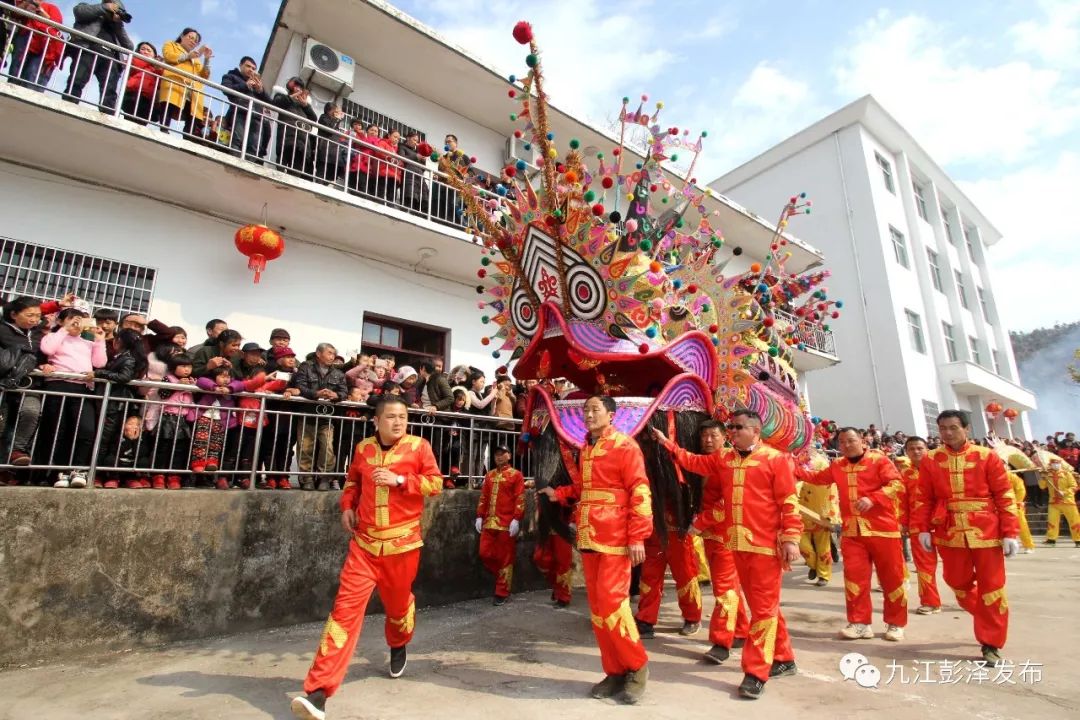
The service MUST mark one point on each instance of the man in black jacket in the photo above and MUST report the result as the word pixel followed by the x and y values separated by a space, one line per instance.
pixel 105 21
pixel 319 381
pixel 294 153
pixel 244 82
pixel 435 391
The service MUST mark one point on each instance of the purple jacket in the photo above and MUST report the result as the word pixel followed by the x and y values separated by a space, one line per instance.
pixel 207 398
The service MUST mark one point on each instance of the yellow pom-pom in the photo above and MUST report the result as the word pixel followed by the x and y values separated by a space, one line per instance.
pixel 708 192
pixel 659 104
pixel 630 197
pixel 783 223
pixel 552 153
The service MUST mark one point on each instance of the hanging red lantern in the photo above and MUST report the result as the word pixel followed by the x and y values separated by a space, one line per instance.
pixel 1010 414
pixel 993 409
pixel 260 244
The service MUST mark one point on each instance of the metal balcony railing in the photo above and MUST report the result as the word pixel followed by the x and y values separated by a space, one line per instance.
pixel 812 337
pixel 55 429
pixel 215 116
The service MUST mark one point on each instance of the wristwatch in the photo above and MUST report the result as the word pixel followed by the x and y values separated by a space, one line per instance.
pixel 400 480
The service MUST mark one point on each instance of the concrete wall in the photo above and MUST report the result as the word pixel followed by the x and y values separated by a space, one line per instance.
pixel 92 571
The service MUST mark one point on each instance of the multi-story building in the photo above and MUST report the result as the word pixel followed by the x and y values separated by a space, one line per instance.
pixel 139 219
pixel 921 330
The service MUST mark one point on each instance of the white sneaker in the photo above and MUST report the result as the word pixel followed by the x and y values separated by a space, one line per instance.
pixel 928 610
pixel 1028 551
pixel 857 631
pixel 894 633
pixel 61 482
pixel 78 478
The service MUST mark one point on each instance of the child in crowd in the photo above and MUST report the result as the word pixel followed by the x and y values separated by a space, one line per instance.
pixel 128 460
pixel 249 420
pixel 173 441
pixel 215 417
pixel 279 434
pixel 451 452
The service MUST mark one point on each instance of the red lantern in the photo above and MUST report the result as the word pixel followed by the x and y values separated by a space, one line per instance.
pixel 260 244
pixel 1010 415
pixel 993 409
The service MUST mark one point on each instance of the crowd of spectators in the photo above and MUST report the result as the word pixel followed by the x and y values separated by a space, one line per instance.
pixel 201 418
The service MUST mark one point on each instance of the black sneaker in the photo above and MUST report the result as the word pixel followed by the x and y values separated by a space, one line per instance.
pixel 645 630
pixel 634 686
pixel 812 575
pixel 738 643
pixel 310 707
pixel 499 600
pixel 689 628
pixel 1050 542
pixel 561 604
pixel 717 654
pixel 751 688
pixel 398 660
pixel 783 668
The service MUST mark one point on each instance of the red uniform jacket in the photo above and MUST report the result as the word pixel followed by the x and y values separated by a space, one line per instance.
pixel 874 477
pixel 502 499
pixel 967 498
pixel 748 502
pixel 389 517
pixel 614 499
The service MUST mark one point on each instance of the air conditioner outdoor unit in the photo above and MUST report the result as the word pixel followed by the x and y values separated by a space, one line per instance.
pixel 515 150
pixel 327 67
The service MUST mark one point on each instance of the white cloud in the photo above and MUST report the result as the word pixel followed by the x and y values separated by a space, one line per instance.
pixel 1034 265
pixel 957 110
pixel 225 9
pixel 1055 39
pixel 767 88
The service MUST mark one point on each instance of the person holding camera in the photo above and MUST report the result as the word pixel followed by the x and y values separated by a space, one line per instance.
pixel 180 96
pixel 36 48
pixel 104 21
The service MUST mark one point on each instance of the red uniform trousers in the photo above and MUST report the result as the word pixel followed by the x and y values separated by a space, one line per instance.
pixel 926 571
pixel 887 556
pixel 607 583
pixel 362 573
pixel 768 640
pixel 977 576
pixel 682 559
pixel 555 559
pixel 497 552
pixel 729 617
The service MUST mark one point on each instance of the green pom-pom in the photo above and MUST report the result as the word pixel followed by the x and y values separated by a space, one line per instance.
pixel 435 156
pixel 773 352
pixel 679 223
pixel 599 156
pixel 645 245
pixel 532 60
pixel 663 200
pixel 625 100
pixel 513 116
pixel 674 158
pixel 825 328
pixel 704 133
pixel 556 213
pixel 485 260
pixel 590 196
pixel 705 308
pixel 717 242
pixel 574 143
pixel 485 319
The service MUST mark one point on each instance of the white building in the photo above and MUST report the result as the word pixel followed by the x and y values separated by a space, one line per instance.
pixel 920 330
pixel 141 220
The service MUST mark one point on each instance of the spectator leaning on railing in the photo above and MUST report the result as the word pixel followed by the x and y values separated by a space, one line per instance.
pixel 317 379
pixel 224 351
pixel 180 97
pixel 105 21
pixel 36 49
pixel 294 153
pixel 140 94
pixel 244 83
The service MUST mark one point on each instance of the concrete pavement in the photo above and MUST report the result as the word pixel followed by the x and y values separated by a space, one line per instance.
pixel 527 660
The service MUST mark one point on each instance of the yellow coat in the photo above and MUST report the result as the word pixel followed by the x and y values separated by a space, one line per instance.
pixel 821 499
pixel 1019 489
pixel 1064 483
pixel 179 90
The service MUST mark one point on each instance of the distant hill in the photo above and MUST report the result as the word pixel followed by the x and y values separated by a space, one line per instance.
pixel 1042 357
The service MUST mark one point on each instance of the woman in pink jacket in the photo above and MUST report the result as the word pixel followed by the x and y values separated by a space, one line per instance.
pixel 71 350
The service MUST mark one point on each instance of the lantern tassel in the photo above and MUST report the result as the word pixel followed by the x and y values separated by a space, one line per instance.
pixel 257 263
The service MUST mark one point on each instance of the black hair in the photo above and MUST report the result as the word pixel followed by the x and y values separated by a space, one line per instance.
pixel 328 105
pixel 17 305
pixel 849 428
pixel 248 59
pixel 451 135
pixel 391 385
pixel 185 31
pixel 295 80
pixel 166 350
pixel 210 325
pixel 106 314
pixel 961 415
pixel 913 439
pixel 216 372
pixel 66 313
pixel 228 336
pixel 177 360
pixel 426 366
pixel 607 401
pixel 709 424
pixel 144 42
pixel 132 341
pixel 387 399
pixel 749 414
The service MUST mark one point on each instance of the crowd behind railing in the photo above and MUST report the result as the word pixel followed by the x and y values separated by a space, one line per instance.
pixel 94 398
pixel 279 127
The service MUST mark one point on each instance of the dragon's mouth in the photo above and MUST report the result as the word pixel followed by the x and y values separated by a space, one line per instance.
pixel 586 354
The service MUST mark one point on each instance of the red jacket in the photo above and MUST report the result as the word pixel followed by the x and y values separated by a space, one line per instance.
pixel 390 163
pixel 55 48
pixel 874 477
pixel 144 77
pixel 362 154
pixel 502 499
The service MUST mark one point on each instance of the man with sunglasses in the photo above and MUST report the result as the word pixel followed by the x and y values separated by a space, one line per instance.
pixel 868 485
pixel 761 526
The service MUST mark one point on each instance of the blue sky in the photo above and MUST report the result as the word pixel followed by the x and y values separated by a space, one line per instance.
pixel 990 90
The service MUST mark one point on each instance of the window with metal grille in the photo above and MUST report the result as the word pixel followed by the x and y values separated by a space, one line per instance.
pixel 930 413
pixel 50 273
pixel 408 341
pixel 368 116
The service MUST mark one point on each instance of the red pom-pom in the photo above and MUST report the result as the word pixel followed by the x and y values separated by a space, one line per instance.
pixel 691 288
pixel 485 341
pixel 652 188
pixel 713 328
pixel 481 273
pixel 510 171
pixel 597 209
pixel 835 315
pixel 643 348
pixel 560 168
pixel 502 243
pixel 523 32
pixel 511 93
pixel 768 322
pixel 616 151
pixel 551 220
pixel 606 183
pixel 425 149
pixel 518 134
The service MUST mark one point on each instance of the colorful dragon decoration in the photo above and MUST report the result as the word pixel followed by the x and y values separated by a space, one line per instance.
pixel 614 276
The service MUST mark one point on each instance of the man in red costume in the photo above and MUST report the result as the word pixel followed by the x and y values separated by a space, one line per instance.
pixel 614 517
pixel 925 561
pixel 968 511
pixel 498 520
pixel 761 526
pixel 554 557
pixel 680 556
pixel 390 475
pixel 867 484
pixel 730 622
